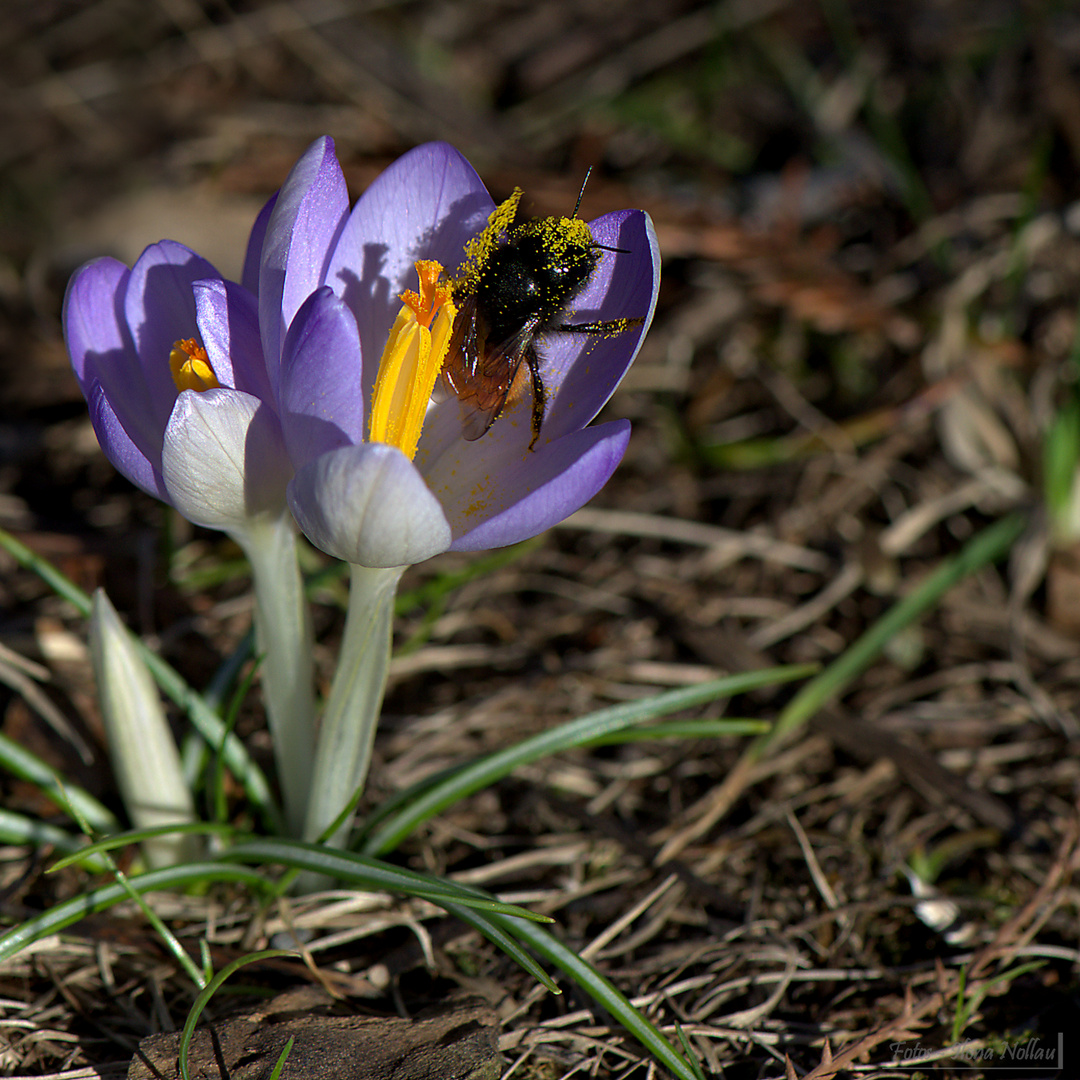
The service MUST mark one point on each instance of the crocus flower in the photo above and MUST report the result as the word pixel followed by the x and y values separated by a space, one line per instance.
pixel 169 358
pixel 352 308
pixel 357 312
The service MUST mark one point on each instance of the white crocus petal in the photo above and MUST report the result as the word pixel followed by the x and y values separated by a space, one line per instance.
pixel 367 504
pixel 145 760
pixel 223 461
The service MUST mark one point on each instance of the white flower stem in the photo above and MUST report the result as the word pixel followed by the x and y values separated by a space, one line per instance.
pixel 284 639
pixel 343 753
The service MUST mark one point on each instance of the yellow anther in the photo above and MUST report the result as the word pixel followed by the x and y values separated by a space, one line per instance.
pixel 190 366
pixel 414 354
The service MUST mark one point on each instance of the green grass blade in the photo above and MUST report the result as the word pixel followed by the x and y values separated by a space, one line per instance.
pixel 688 1052
pixel 686 729
pixel 48 573
pixel 209 991
pixel 596 726
pixel 602 992
pixel 370 874
pixel 990 545
pixel 681 729
pixel 100 899
pixel 168 938
pixel 286 1050
pixel 18 829
pixel 137 836
pixel 27 766
pixel 216 781
pixel 508 944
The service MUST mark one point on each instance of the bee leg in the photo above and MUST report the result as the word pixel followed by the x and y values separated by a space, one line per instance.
pixel 607 329
pixel 539 399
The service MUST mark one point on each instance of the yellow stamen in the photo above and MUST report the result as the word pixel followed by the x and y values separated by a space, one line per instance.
pixel 190 366
pixel 411 361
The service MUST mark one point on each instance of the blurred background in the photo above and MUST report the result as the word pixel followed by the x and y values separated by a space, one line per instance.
pixel 869 215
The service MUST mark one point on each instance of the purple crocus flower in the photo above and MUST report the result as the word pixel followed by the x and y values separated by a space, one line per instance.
pixel 330 289
pixel 169 358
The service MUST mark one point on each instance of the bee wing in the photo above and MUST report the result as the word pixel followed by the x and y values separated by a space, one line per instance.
pixel 481 375
pixel 460 365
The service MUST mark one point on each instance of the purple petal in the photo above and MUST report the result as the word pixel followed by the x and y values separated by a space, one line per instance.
pixel 253 256
pixel 102 353
pixel 228 322
pixel 224 461
pixel 302 231
pixel 491 500
pixel 581 372
pixel 109 375
pixel 322 402
pixel 119 448
pixel 160 309
pixel 426 205
pixel 92 326
pixel 367 504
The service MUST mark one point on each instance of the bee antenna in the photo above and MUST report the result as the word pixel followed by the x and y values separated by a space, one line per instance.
pixel 577 205
pixel 604 247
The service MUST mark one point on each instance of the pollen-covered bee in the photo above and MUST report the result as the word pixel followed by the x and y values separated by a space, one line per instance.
pixel 516 284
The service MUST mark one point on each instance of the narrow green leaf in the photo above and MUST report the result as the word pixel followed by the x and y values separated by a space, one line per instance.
pixel 138 836
pixel 216 784
pixel 1061 453
pixel 688 1052
pixel 27 766
pixel 284 1056
pixel 100 899
pixel 151 916
pixel 48 573
pixel 602 992
pixel 371 873
pixel 991 544
pixel 685 729
pixel 209 991
pixel 596 726
pixel 499 937
pixel 213 729
pixel 18 829
pixel 170 940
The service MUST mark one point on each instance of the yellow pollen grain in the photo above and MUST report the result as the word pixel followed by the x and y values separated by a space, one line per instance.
pixel 560 234
pixel 190 367
pixel 412 359
pixel 479 248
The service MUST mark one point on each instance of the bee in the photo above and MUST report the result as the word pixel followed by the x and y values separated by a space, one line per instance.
pixel 515 286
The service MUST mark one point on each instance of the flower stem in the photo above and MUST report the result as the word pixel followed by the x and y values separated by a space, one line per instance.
pixel 284 638
pixel 343 753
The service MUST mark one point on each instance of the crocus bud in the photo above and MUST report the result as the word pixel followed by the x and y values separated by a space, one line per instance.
pixel 145 760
